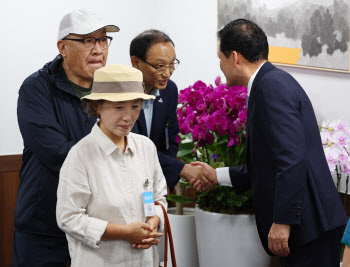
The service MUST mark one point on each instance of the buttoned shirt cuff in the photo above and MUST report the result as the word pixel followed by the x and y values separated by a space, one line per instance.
pixel 223 176
pixel 94 232
pixel 159 213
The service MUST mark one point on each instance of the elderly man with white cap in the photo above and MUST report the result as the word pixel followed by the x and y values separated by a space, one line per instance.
pixel 51 122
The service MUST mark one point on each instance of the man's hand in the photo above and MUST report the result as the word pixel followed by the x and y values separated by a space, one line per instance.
pixel 190 172
pixel 278 239
pixel 208 181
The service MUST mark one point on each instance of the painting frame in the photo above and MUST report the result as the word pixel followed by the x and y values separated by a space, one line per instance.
pixel 326 59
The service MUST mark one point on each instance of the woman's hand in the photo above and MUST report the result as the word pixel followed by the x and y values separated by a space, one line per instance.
pixel 138 232
pixel 148 242
pixel 153 222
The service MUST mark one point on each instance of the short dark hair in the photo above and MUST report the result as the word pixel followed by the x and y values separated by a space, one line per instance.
pixel 246 38
pixel 142 42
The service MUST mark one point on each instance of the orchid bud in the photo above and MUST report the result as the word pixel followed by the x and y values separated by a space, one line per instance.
pixel 218 81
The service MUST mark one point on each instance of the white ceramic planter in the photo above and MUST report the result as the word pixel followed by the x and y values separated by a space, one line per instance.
pixel 228 240
pixel 184 237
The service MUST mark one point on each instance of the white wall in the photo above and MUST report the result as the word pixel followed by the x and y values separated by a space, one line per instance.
pixel 29 41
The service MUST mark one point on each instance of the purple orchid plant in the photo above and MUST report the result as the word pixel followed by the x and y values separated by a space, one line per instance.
pixel 335 136
pixel 212 123
pixel 214 120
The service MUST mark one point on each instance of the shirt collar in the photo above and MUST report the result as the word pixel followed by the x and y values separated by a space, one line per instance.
pixel 251 80
pixel 107 145
pixel 155 92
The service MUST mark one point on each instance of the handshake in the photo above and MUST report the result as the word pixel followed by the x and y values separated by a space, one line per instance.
pixel 201 176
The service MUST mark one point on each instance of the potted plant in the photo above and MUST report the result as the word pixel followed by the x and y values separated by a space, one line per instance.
pixel 212 126
pixel 335 136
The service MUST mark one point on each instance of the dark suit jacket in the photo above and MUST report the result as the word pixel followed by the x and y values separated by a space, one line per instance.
pixel 164 118
pixel 286 166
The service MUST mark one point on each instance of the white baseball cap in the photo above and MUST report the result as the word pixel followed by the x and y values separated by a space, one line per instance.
pixel 82 22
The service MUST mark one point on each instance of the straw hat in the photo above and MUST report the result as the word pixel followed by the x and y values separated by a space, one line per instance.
pixel 117 83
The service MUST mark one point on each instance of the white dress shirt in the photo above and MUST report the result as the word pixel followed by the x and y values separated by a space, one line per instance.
pixel 100 184
pixel 148 110
pixel 223 174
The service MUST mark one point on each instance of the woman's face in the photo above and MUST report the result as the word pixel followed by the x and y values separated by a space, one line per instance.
pixel 118 118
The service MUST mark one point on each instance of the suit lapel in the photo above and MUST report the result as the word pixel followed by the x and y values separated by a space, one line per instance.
pixel 141 124
pixel 159 105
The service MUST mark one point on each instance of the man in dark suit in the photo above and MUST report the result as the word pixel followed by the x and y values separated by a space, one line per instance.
pixel 153 53
pixel 298 211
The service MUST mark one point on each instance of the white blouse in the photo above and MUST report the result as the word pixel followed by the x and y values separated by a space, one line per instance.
pixel 100 184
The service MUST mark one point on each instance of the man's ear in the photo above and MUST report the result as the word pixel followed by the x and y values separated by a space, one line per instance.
pixel 135 61
pixel 234 58
pixel 61 45
pixel 237 59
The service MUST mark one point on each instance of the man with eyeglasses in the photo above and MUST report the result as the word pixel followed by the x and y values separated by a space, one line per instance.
pixel 51 122
pixel 153 53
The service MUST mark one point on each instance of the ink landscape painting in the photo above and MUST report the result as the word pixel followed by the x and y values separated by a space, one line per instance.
pixel 304 33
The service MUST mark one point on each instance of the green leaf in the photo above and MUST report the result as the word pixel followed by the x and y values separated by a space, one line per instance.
pixel 181 199
pixel 188 145
pixel 184 152
pixel 184 137
pixel 220 164
pixel 219 197
pixel 186 184
pixel 240 200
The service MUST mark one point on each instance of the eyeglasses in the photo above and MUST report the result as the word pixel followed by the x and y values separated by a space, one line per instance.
pixel 160 69
pixel 90 42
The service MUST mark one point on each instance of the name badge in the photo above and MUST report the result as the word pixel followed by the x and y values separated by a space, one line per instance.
pixel 148 204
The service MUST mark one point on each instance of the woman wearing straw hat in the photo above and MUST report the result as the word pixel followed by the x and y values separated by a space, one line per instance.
pixel 110 178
